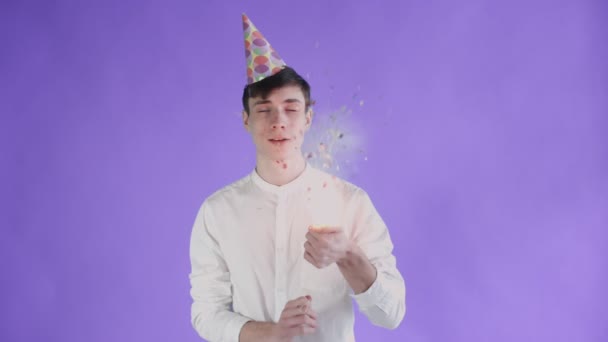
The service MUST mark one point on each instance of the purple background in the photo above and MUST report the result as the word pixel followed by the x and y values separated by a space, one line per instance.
pixel 485 129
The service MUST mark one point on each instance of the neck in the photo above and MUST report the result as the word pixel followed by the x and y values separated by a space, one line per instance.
pixel 280 172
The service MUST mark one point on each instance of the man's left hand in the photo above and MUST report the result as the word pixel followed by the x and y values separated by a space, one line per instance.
pixel 325 245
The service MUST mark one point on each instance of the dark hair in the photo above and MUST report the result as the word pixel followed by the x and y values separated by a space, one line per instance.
pixel 283 78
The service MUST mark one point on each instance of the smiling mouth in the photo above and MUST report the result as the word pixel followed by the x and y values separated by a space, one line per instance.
pixel 279 142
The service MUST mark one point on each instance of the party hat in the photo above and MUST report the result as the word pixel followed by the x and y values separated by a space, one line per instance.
pixel 262 59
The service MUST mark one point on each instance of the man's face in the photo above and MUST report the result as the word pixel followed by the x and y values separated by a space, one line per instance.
pixel 278 123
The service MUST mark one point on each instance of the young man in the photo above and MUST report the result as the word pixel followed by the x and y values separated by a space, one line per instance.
pixel 278 255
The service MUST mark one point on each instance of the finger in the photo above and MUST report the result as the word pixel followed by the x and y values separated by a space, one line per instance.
pixel 311 313
pixel 312 236
pixel 309 310
pixel 295 302
pixel 301 330
pixel 316 252
pixel 317 259
pixel 292 312
pixel 331 230
pixel 310 321
pixel 317 242
pixel 310 248
pixel 301 308
pixel 296 316
pixel 299 320
pixel 308 257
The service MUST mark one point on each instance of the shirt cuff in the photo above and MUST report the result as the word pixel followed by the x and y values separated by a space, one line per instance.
pixel 373 296
pixel 233 328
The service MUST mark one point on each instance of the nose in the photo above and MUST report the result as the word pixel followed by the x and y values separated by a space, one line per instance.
pixel 279 119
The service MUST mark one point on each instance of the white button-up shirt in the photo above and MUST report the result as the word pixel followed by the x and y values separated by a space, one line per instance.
pixel 247 254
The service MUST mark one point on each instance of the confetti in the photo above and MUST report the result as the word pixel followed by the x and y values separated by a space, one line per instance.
pixel 334 141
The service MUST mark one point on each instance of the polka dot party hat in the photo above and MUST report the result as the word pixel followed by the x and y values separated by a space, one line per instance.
pixel 262 59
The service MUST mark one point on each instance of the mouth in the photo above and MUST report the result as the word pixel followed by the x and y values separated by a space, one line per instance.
pixel 278 141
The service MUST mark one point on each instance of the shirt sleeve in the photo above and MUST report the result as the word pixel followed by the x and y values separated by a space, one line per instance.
pixel 211 289
pixel 384 302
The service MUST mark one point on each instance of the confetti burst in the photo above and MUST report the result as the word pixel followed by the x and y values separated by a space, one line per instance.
pixel 333 143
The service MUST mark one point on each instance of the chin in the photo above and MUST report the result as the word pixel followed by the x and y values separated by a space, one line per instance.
pixel 281 156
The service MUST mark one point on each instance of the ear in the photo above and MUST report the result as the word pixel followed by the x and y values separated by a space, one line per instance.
pixel 309 115
pixel 246 120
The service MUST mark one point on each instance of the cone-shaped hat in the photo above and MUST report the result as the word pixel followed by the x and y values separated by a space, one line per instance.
pixel 262 59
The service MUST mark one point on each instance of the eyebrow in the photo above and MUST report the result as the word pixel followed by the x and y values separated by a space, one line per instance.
pixel 259 102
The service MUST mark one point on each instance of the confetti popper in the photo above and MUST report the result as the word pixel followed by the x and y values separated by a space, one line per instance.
pixel 320 228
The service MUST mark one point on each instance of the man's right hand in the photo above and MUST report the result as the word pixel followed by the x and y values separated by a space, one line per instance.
pixel 297 319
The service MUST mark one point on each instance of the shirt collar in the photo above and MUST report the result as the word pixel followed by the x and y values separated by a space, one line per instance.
pixel 290 187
